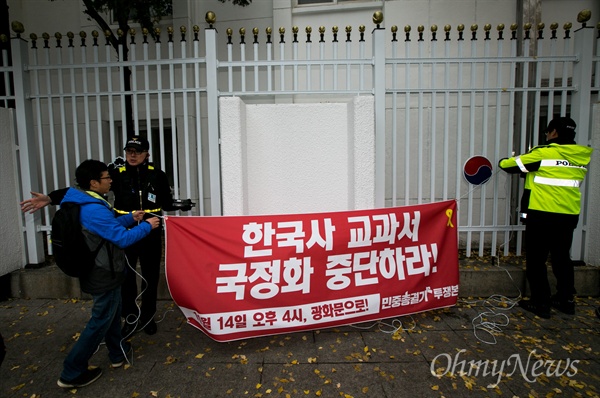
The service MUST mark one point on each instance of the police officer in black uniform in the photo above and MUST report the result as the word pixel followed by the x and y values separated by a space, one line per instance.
pixel 138 185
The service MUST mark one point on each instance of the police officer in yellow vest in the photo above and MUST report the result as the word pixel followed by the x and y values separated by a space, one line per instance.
pixel 550 209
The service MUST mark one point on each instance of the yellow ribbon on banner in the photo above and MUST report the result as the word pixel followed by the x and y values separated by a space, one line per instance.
pixel 449 214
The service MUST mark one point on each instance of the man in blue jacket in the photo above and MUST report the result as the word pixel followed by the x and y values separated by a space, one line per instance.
pixel 137 185
pixel 103 282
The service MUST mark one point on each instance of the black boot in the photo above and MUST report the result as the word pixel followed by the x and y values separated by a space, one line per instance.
pixel 563 305
pixel 541 310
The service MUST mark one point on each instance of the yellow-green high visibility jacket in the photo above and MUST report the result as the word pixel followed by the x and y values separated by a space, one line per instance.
pixel 553 175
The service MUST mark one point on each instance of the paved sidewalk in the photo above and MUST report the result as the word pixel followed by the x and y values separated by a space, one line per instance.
pixel 366 360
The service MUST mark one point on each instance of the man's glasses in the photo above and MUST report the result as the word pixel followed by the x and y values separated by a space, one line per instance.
pixel 133 152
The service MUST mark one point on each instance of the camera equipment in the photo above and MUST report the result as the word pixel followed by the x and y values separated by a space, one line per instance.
pixel 182 204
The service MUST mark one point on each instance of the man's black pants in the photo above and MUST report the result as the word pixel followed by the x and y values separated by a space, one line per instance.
pixel 550 233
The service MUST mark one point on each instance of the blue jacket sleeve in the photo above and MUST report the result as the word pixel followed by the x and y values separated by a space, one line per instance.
pixel 99 220
pixel 126 220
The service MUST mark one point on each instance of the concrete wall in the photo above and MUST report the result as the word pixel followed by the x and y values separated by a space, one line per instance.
pixel 11 230
pixel 592 236
pixel 297 158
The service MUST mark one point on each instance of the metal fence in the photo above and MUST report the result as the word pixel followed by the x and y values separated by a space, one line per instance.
pixel 440 98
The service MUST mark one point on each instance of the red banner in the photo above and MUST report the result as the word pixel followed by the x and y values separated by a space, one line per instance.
pixel 248 276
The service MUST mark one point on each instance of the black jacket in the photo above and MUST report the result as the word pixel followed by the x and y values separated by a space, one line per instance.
pixel 141 188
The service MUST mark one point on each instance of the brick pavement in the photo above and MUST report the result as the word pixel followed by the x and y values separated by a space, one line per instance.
pixel 391 358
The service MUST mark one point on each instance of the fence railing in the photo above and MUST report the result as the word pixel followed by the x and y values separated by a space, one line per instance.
pixel 440 98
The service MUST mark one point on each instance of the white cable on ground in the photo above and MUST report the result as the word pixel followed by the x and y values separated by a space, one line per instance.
pixel 493 319
pixel 392 328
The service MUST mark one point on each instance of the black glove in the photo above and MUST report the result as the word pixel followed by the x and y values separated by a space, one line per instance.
pixel 183 205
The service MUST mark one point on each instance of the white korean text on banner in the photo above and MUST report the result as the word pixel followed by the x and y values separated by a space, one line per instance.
pixel 247 276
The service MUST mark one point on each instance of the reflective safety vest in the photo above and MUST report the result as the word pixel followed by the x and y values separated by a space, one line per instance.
pixel 553 174
pixel 122 169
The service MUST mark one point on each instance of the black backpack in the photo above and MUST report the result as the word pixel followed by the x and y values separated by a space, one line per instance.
pixel 71 252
